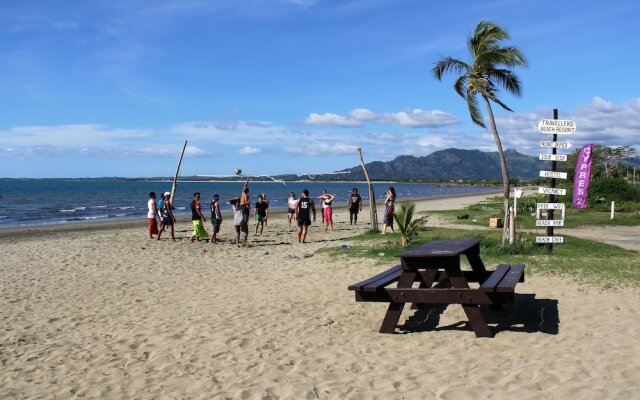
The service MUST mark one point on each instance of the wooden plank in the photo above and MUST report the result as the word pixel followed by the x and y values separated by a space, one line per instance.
pixel 494 279
pixel 390 271
pixel 441 248
pixel 382 282
pixel 511 279
pixel 439 296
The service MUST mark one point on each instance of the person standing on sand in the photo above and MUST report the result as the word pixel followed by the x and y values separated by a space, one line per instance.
pixel 324 195
pixel 239 223
pixel 266 201
pixel 260 213
pixel 166 216
pixel 216 217
pixel 243 203
pixel 303 217
pixel 292 203
pixel 355 206
pixel 389 202
pixel 152 215
pixel 198 220
pixel 327 210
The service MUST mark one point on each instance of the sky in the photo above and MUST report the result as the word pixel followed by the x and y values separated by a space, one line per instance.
pixel 114 88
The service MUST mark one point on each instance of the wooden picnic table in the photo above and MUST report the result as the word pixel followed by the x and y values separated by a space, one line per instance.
pixel 436 266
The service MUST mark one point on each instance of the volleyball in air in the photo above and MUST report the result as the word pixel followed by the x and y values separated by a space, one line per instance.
pixel 238 171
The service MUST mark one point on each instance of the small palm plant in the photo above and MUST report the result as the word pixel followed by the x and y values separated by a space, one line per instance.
pixel 407 226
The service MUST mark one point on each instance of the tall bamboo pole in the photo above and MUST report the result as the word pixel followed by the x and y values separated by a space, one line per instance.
pixel 175 178
pixel 372 196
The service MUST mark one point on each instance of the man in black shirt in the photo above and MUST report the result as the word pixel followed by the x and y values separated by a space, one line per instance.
pixel 302 215
pixel 355 206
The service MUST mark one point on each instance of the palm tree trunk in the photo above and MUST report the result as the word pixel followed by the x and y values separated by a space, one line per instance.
pixel 505 172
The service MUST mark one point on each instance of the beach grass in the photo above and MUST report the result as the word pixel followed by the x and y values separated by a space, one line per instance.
pixel 627 214
pixel 583 260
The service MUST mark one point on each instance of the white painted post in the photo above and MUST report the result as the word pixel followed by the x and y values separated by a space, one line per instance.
pixel 613 210
pixel 512 226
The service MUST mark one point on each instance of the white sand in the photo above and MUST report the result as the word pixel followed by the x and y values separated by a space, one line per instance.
pixel 107 313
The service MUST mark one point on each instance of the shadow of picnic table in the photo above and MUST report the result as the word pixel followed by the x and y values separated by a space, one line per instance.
pixel 527 314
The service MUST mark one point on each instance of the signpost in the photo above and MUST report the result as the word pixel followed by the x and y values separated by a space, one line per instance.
pixel 557 145
pixel 557 126
pixel 549 206
pixel 553 127
pixel 552 191
pixel 553 174
pixel 553 157
pixel 549 239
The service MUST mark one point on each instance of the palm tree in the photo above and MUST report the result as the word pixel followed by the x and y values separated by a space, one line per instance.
pixel 483 76
pixel 407 226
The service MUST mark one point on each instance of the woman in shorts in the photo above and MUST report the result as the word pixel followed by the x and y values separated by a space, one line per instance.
pixel 292 203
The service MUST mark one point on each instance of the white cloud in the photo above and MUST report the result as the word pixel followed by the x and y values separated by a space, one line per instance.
pixel 418 118
pixel 414 118
pixel 249 150
pixel 362 114
pixel 319 149
pixel 87 140
pixel 329 119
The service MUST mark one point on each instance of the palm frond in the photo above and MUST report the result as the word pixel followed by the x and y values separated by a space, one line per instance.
pixel 485 35
pixel 506 79
pixel 449 64
pixel 495 99
pixel 497 56
pixel 461 85
pixel 474 110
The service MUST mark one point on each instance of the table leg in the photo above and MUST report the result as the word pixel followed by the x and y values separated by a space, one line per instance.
pixel 394 311
pixel 477 321
pixel 426 281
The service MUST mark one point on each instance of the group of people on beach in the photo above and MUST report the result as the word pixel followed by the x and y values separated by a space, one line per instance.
pixel 302 210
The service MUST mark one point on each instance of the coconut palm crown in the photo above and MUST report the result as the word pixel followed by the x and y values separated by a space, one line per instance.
pixel 487 73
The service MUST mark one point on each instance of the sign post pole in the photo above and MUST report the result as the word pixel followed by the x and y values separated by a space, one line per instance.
pixel 551 198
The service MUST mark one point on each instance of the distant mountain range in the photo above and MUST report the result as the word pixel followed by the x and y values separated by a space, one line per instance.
pixel 445 165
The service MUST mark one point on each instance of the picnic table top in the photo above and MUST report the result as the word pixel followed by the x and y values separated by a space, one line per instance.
pixel 441 248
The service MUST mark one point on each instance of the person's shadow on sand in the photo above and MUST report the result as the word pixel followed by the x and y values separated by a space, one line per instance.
pixel 527 314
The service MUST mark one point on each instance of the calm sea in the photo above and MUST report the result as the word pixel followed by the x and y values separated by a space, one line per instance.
pixel 56 201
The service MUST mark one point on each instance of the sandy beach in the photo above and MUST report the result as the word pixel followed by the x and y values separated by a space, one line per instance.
pixel 103 312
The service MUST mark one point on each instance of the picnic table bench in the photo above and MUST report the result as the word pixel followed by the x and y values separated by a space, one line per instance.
pixel 436 266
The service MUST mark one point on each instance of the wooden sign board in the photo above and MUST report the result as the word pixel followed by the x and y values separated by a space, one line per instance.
pixel 550 222
pixel 553 157
pixel 557 126
pixel 553 174
pixel 549 206
pixel 546 190
pixel 554 145
pixel 549 239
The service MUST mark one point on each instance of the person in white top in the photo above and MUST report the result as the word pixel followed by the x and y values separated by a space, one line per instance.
pixel 152 215
pixel 292 203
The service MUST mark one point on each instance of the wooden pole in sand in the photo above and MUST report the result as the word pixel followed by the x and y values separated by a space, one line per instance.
pixel 372 196
pixel 175 178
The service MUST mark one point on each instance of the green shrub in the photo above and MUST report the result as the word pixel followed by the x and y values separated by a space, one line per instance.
pixel 613 189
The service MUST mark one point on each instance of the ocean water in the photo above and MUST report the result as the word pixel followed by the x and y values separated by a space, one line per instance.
pixel 25 202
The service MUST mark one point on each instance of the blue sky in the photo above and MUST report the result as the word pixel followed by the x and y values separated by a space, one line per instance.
pixel 114 88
